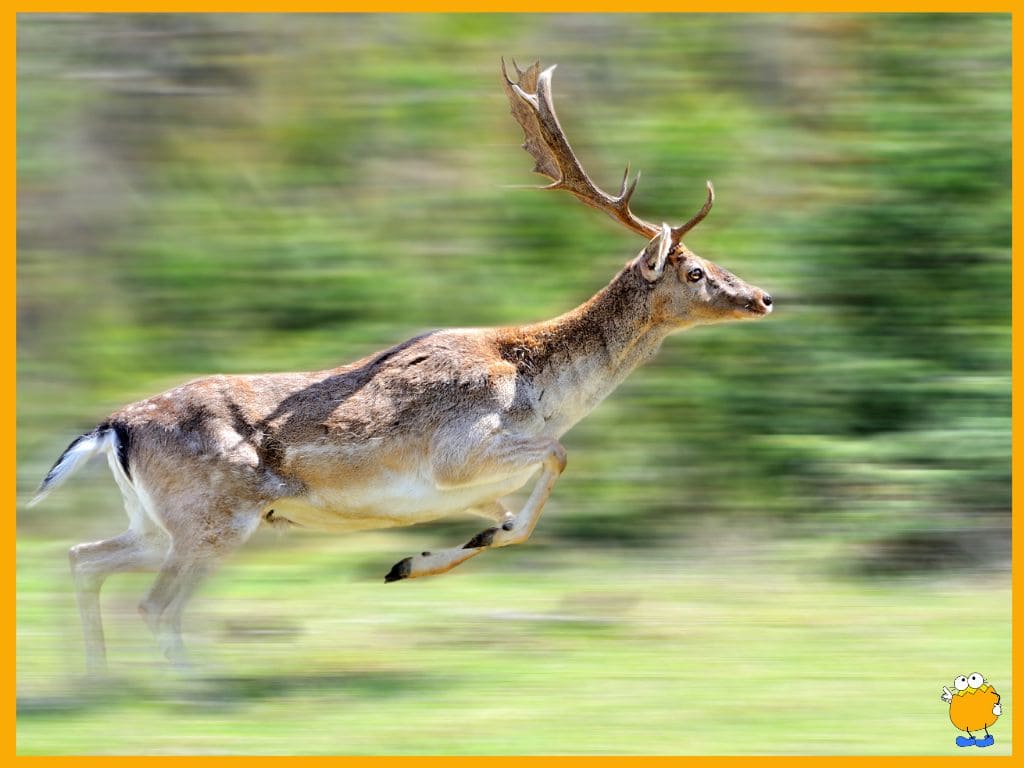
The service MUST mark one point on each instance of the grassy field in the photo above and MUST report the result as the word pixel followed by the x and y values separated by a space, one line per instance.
pixel 728 647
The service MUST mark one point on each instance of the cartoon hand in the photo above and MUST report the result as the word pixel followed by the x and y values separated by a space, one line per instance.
pixel 997 710
pixel 947 695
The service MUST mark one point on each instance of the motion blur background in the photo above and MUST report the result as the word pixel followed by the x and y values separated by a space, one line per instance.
pixel 777 537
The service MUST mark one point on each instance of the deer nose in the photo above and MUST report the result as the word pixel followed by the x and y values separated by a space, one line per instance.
pixel 762 303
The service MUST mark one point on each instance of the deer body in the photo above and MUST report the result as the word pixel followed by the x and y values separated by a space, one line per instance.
pixel 448 422
pixel 380 442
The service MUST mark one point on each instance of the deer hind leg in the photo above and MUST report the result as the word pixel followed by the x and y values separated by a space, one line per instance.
pixel 193 556
pixel 514 529
pixel 91 563
pixel 140 548
pixel 163 605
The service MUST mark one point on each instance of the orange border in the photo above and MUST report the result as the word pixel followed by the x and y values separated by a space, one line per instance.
pixel 522 6
pixel 8 22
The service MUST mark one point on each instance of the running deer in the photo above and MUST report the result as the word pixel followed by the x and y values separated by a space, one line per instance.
pixel 447 422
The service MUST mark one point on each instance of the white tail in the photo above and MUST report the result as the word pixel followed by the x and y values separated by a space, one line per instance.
pixel 103 439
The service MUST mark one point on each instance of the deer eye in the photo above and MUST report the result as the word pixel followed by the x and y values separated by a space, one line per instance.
pixel 695 274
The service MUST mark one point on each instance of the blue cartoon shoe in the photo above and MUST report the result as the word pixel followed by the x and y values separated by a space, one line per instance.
pixel 986 741
pixel 965 741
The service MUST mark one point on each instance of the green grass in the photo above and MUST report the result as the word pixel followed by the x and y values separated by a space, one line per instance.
pixel 725 648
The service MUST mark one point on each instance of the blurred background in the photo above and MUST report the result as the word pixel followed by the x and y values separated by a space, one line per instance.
pixel 782 537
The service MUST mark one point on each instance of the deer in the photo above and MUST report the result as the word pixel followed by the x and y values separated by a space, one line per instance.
pixel 448 422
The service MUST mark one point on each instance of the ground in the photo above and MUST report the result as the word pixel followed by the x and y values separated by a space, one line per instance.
pixel 716 649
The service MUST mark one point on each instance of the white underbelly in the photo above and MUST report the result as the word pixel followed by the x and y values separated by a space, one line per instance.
pixel 393 501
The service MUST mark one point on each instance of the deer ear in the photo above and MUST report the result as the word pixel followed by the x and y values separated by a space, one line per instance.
pixel 652 258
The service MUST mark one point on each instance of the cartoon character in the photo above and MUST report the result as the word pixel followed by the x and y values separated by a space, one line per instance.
pixel 974 706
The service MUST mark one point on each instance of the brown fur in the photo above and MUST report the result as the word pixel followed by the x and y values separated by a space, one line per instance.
pixel 446 422
pixel 449 420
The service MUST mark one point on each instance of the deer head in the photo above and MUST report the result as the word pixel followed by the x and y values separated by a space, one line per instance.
pixel 686 288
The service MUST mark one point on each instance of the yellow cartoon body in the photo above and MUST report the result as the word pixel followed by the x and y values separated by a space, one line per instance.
pixel 972 708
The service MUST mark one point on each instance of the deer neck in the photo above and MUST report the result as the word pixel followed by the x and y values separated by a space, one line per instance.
pixel 577 359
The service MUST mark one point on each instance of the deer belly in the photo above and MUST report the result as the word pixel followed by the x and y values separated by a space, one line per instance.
pixel 396 501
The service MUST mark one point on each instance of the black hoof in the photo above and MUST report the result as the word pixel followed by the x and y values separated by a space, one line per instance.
pixel 482 539
pixel 399 571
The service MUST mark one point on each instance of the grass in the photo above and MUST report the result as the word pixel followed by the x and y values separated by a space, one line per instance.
pixel 724 648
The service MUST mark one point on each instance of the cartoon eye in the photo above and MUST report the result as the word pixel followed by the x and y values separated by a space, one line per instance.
pixel 975 680
pixel 695 274
pixel 960 683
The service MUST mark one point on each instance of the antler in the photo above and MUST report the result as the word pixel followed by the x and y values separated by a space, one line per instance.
pixel 533 109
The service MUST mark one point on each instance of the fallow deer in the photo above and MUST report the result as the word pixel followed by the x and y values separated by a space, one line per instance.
pixel 447 422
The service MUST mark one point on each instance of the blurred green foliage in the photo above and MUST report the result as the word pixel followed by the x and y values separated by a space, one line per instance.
pixel 239 193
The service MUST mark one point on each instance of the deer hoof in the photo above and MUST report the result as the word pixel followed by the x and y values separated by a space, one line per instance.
pixel 399 571
pixel 482 539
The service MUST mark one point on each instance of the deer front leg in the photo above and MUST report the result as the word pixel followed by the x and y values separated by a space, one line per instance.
pixel 514 530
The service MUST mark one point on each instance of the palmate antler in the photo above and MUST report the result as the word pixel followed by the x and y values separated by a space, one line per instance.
pixel 533 108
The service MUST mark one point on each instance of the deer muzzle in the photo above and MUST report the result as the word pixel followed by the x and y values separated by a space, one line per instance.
pixel 760 303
